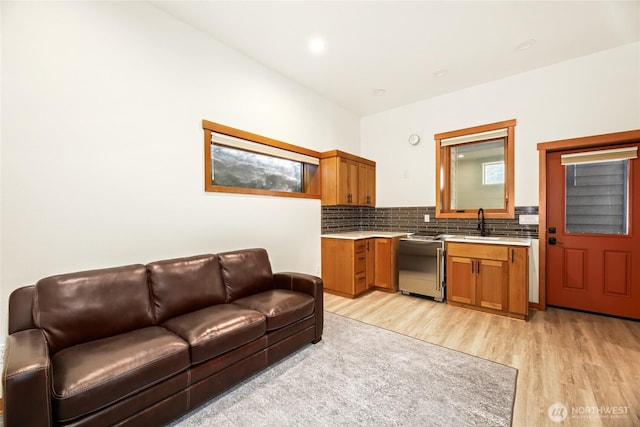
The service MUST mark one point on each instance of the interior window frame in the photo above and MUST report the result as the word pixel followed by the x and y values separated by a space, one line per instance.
pixel 443 173
pixel 310 173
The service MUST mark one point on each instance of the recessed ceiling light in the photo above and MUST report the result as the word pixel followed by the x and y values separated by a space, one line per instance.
pixel 316 45
pixel 379 92
pixel 440 73
pixel 526 44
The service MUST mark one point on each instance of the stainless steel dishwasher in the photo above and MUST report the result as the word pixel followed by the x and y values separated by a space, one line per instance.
pixel 421 266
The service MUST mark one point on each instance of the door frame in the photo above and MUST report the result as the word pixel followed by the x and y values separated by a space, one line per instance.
pixel 603 140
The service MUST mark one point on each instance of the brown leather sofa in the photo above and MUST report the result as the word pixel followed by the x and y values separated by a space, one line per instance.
pixel 142 345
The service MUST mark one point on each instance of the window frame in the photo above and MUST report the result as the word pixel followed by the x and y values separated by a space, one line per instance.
pixel 310 173
pixel 443 172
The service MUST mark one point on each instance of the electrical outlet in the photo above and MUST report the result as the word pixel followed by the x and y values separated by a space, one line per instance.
pixel 427 218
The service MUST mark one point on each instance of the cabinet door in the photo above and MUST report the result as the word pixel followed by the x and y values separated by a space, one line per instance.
pixel 366 185
pixel 342 181
pixel 338 265
pixel 371 262
pixel 370 198
pixel 362 184
pixel 384 266
pixel 354 194
pixel 519 280
pixel 491 281
pixel 461 280
pixel 347 184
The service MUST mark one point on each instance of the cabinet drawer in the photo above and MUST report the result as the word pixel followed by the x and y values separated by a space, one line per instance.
pixel 478 250
pixel 360 263
pixel 360 283
pixel 360 245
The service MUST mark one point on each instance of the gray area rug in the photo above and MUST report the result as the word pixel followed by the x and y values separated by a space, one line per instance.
pixel 362 375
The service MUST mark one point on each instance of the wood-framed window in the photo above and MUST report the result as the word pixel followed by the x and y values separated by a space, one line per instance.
pixel 475 169
pixel 236 161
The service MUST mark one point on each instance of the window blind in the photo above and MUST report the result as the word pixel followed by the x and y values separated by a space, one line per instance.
pixel 243 144
pixel 473 137
pixel 599 156
pixel 597 197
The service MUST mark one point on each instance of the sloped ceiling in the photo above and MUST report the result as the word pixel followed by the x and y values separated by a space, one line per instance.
pixel 411 50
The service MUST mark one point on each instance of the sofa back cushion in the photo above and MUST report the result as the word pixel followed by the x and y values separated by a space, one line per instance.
pixel 182 285
pixel 246 272
pixel 79 307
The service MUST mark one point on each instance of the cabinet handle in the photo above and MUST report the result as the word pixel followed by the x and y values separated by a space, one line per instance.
pixel 367 246
pixel 512 255
pixel 473 265
pixel 361 259
pixel 360 279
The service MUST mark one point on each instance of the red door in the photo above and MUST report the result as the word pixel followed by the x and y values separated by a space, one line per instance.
pixel 593 233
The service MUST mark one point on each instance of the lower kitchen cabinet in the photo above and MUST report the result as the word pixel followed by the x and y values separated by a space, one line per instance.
pixel 352 267
pixel 386 266
pixel 487 277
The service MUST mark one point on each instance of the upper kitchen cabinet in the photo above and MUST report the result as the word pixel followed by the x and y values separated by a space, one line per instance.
pixel 347 180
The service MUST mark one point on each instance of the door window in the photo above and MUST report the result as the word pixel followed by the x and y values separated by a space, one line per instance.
pixel 597 197
pixel 597 191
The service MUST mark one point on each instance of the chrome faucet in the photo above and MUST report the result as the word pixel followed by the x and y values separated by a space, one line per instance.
pixel 483 231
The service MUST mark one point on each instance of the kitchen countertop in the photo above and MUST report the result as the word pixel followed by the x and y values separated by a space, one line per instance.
pixel 356 235
pixel 491 240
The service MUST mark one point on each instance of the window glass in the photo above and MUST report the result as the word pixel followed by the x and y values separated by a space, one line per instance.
pixel 470 164
pixel 238 168
pixel 596 197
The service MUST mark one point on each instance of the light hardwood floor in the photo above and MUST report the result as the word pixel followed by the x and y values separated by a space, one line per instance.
pixel 584 361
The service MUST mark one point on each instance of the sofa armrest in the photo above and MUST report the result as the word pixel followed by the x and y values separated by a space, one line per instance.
pixel 308 284
pixel 26 380
pixel 20 308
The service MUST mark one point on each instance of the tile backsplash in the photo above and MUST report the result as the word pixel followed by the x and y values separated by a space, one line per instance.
pixel 337 219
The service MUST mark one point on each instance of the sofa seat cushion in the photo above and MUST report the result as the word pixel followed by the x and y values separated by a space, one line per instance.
pixel 90 376
pixel 218 329
pixel 281 307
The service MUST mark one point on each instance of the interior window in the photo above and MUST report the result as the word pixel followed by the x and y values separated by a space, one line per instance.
pixel 474 169
pixel 240 162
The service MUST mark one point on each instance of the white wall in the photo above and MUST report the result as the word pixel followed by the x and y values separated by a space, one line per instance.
pixel 102 145
pixel 591 95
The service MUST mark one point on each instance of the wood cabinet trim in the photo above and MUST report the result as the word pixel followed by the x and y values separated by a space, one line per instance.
pixel 345 155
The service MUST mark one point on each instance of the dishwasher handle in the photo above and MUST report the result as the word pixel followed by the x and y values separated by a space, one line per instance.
pixel 439 269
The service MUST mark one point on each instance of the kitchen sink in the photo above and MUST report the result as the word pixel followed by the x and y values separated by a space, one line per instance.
pixel 481 238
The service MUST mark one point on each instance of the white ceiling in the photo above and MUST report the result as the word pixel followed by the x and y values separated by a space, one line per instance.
pixel 398 46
